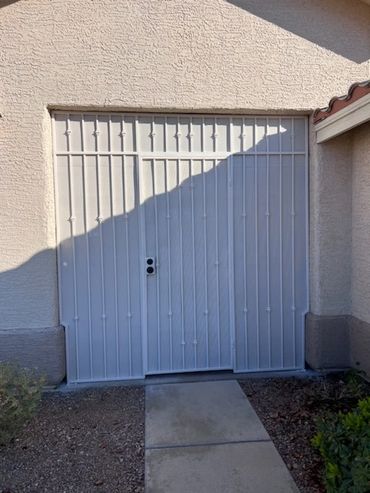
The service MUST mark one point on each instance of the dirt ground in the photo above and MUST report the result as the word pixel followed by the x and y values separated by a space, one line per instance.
pixel 83 441
pixel 288 408
pixel 93 440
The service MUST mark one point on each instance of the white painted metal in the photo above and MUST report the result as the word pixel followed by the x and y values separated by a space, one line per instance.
pixel 220 203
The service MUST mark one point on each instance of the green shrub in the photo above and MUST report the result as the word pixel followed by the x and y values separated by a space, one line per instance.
pixel 20 394
pixel 344 442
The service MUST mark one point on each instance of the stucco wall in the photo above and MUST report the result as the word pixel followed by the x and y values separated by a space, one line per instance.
pixel 338 330
pixel 361 223
pixel 237 55
pixel 331 226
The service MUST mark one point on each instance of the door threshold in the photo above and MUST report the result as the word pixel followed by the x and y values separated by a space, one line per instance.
pixel 186 378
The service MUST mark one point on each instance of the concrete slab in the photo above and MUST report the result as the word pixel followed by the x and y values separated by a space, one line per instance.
pixel 200 413
pixel 233 468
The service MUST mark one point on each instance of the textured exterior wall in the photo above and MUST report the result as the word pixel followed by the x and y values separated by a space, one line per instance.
pixel 42 349
pixel 331 226
pixel 338 330
pixel 361 223
pixel 235 56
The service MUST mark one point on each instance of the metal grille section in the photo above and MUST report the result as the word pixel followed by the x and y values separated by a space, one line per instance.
pixel 220 203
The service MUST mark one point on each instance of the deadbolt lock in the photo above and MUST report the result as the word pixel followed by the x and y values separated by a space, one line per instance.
pixel 150 266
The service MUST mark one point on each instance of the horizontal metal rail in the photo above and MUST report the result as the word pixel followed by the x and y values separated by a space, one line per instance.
pixel 183 155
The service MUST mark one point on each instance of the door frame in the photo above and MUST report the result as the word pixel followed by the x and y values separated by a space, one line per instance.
pixel 143 276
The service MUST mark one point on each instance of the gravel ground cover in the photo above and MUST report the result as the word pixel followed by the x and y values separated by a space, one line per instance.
pixel 83 441
pixel 288 408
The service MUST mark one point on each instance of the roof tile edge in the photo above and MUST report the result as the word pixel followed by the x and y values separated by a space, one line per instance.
pixel 355 92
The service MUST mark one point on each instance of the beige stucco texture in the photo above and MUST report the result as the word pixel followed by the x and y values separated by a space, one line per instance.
pixel 242 56
pixel 338 330
pixel 331 226
pixel 340 225
pixel 361 223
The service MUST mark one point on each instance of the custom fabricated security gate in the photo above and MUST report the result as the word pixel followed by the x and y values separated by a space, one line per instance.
pixel 182 242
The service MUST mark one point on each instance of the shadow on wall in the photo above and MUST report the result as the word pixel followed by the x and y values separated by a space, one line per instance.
pixel 310 20
pixel 101 270
pixel 5 3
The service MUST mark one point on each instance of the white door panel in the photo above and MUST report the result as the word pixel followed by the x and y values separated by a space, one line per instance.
pixel 187 298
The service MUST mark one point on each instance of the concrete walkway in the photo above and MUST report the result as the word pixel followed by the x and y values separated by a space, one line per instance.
pixel 206 438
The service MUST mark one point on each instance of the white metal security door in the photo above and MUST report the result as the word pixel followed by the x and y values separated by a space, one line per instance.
pixel 186 236
pixel 182 242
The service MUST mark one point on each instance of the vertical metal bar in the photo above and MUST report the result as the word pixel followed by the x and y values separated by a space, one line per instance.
pixel 230 192
pixel 72 220
pixel 87 245
pixel 139 182
pixel 268 308
pixel 191 134
pixel 114 243
pixel 245 308
pixel 229 147
pixel 293 243
pixel 142 249
pixel 123 134
pixel 157 266
pixel 178 134
pixel 215 135
pixel 152 134
pixel 256 245
pixel 136 134
pixel 217 264
pixel 202 136
pixel 165 129
pixel 128 263
pixel 99 219
pixel 183 342
pixel 170 314
pixel 306 136
pixel 195 340
pixel 242 140
pixel 57 219
pixel 281 245
pixel 205 260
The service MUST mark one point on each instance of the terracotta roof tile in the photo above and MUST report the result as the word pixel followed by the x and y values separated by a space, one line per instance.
pixel 355 92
